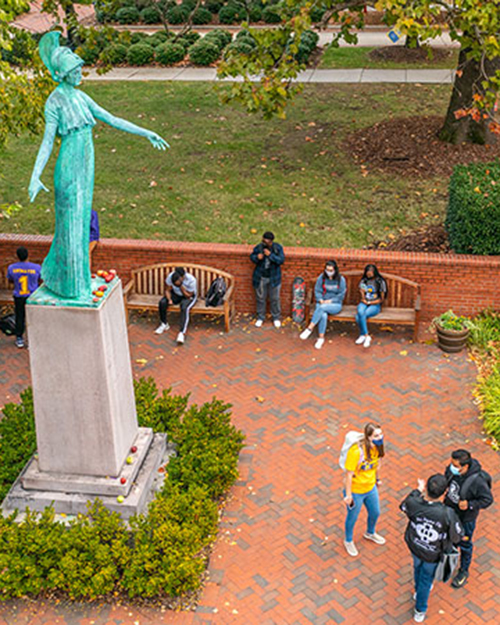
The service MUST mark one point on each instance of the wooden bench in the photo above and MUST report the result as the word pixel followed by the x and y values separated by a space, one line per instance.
pixel 402 306
pixel 147 287
pixel 6 288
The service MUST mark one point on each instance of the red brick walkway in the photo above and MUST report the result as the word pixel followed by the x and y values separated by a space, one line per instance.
pixel 279 557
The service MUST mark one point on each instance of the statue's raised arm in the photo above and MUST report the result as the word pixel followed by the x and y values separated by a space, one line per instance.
pixel 71 114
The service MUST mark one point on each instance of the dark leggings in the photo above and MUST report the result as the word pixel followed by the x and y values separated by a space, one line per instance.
pixel 20 310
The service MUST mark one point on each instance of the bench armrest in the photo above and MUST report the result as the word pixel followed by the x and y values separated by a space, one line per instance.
pixel 229 293
pixel 128 287
pixel 418 302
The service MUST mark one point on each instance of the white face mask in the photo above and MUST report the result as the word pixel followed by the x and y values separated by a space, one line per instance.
pixel 330 274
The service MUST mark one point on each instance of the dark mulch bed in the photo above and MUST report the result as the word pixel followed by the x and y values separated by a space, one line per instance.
pixel 431 239
pixel 400 54
pixel 410 146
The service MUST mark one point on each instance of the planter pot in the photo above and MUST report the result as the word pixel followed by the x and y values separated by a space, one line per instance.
pixel 452 341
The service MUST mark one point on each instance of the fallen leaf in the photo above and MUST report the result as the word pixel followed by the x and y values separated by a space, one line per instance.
pixel 403 352
pixel 259 399
pixel 141 361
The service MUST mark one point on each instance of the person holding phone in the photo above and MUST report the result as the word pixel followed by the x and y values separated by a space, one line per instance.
pixel 360 485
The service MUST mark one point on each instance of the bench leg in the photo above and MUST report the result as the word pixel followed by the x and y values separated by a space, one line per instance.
pixel 227 318
pixel 415 333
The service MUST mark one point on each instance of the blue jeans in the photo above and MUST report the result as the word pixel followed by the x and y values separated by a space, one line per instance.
pixel 423 573
pixel 321 313
pixel 370 500
pixel 466 546
pixel 365 312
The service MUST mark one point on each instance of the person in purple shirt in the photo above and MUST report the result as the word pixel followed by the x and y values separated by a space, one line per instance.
pixel 26 278
pixel 94 231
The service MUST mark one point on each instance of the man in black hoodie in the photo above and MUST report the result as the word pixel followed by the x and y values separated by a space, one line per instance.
pixel 432 526
pixel 469 490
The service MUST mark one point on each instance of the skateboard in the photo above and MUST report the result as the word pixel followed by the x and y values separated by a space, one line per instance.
pixel 299 300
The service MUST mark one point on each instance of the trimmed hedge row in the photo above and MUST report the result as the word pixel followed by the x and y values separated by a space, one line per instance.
pixel 112 47
pixel 162 553
pixel 473 214
pixel 227 12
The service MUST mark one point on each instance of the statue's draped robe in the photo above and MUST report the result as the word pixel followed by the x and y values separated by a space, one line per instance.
pixel 66 269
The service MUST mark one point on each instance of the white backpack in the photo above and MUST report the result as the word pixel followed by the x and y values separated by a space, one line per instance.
pixel 351 438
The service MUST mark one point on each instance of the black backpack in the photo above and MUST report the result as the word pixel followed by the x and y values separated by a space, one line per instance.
pixel 8 324
pixel 216 292
pixel 468 482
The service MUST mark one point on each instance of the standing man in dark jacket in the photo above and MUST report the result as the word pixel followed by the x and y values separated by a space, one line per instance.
pixel 268 257
pixel 432 526
pixel 469 491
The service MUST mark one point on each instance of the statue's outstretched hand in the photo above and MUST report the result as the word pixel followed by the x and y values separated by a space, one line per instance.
pixel 157 142
pixel 35 187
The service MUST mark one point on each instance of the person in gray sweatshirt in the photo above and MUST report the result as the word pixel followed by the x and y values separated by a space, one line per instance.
pixel 329 292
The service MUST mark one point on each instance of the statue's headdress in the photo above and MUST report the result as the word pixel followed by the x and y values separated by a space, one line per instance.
pixel 59 60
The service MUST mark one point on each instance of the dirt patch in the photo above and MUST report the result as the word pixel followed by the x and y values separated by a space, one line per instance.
pixel 431 239
pixel 410 146
pixel 400 54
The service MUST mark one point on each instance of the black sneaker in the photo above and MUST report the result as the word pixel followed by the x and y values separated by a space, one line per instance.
pixel 460 579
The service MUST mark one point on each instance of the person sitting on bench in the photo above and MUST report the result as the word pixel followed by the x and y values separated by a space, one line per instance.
pixel 181 290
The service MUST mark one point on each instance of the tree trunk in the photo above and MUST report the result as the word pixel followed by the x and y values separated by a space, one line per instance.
pixel 467 82
pixel 71 26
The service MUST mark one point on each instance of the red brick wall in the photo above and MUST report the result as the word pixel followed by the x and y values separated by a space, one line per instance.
pixel 467 284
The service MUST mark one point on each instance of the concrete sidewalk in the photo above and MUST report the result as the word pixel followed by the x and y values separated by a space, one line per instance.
pixel 349 76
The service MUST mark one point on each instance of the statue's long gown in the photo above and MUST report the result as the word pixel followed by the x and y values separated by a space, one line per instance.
pixel 66 269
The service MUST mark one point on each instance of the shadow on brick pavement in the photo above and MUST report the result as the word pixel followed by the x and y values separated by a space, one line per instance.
pixel 279 557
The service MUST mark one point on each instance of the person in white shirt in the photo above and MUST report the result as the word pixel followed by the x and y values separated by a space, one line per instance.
pixel 181 290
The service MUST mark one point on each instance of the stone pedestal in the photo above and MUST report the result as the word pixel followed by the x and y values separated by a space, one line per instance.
pixel 89 442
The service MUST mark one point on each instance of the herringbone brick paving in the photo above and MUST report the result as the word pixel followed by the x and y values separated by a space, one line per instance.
pixel 279 558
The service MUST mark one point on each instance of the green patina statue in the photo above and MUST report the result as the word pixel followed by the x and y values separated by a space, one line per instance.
pixel 71 114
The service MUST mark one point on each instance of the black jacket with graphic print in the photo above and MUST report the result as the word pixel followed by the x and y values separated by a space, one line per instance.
pixel 431 528
pixel 473 487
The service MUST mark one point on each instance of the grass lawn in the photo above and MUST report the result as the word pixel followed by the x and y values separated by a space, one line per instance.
pixel 353 58
pixel 229 175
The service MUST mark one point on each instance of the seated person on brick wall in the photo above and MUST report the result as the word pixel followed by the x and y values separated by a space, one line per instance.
pixel 181 289
pixel 26 278
pixel 329 293
pixel 373 289
pixel 94 232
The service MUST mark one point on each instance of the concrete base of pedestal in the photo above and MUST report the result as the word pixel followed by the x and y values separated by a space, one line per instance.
pixel 34 479
pixel 74 501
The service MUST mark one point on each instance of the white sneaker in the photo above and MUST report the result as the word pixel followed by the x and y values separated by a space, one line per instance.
pixel 361 339
pixel 277 323
pixel 419 617
pixel 351 548
pixel 319 343
pixel 258 323
pixel 180 338
pixel 376 538
pixel 305 334
pixel 367 341
pixel 162 328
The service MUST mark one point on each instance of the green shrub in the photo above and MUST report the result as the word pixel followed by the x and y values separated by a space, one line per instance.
pixel 177 15
pixel 88 53
pixel 255 12
pixel 202 16
pixel 220 37
pixel 240 46
pixel 203 52
pixel 270 15
pixel 231 14
pixel 22 48
pixel 170 53
pixel 307 45
pixel 105 11
pixel 162 552
pixel 485 332
pixel 140 54
pixel 159 38
pixel 214 6
pixel 189 5
pixel 317 13
pixel 473 214
pixel 488 393
pixel 115 54
pixel 189 38
pixel 150 15
pixel 127 15
pixel 138 38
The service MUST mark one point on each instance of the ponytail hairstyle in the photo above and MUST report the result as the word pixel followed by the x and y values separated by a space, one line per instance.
pixel 369 447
